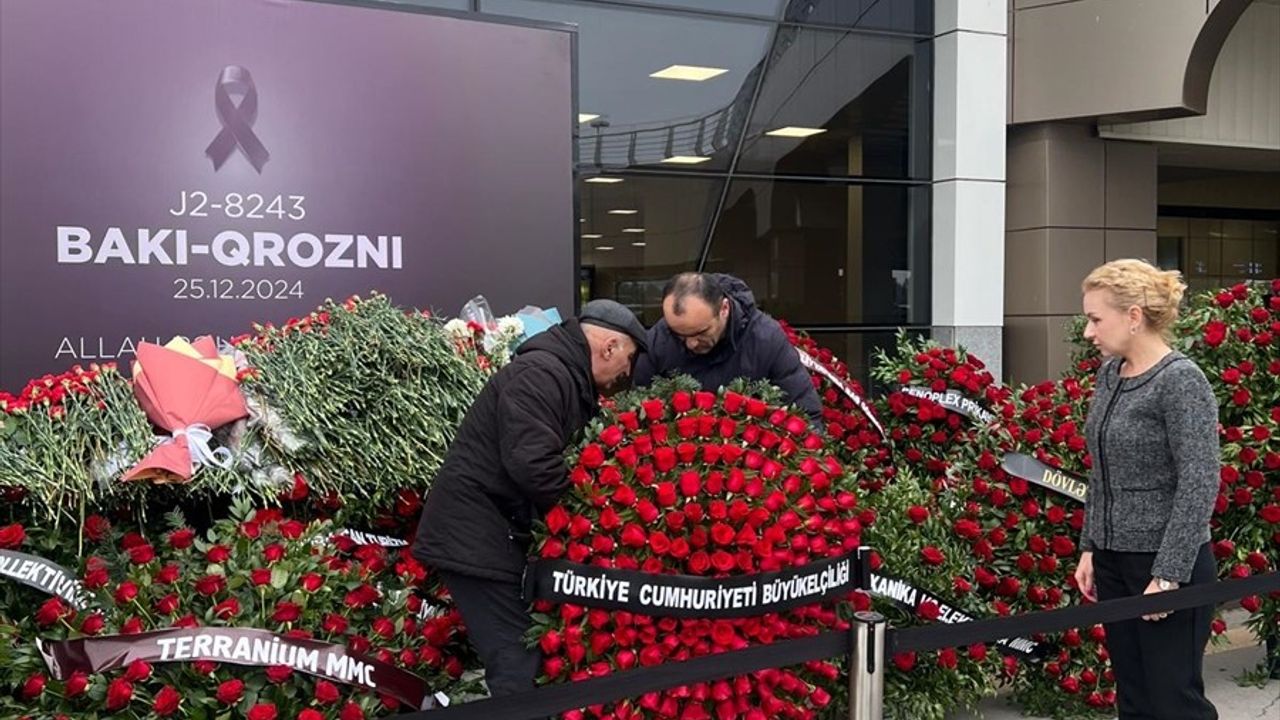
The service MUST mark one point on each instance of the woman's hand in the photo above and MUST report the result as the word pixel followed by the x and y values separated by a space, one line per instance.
pixel 1084 577
pixel 1154 587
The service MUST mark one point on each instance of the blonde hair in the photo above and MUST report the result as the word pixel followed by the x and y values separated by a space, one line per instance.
pixel 1137 282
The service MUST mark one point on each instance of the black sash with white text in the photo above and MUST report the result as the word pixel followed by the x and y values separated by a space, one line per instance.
pixel 692 596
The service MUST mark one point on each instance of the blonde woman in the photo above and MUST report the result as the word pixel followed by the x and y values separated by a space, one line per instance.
pixel 1152 434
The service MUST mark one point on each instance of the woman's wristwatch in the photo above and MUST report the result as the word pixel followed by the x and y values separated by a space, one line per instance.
pixel 1165 585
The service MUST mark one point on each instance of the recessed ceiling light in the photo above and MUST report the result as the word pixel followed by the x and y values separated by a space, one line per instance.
pixel 686 159
pixel 638 243
pixel 587 117
pixel 792 131
pixel 633 230
pixel 604 247
pixel 692 73
pixel 623 212
pixel 591 236
pixel 603 180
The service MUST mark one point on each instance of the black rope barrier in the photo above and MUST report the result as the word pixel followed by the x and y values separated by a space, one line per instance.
pixel 555 699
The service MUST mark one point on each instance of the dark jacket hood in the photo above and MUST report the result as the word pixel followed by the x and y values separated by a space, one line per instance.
pixel 743 303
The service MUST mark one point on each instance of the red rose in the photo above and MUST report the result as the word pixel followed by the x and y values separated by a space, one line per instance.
pixel 230 692
pixel 699 563
pixel 310 714
pixel 917 514
pixel 53 610
pixel 1063 546
pixel 262 711
pixel 312 582
pixel 1215 333
pixel 260 576
pixel 141 554
pixel 334 624
pixel 1271 514
pixel 96 578
pixel 11 536
pixel 77 684
pixel 664 458
pixel 287 612
pixel 690 483
pixel 92 624
pixel 327 693
pixel 653 409
pixel 665 493
pixel 291 530
pixel 96 528
pixel 204 667
pixel 612 435
pixel 168 574
pixel 384 627
pixel 137 671
pixel 181 540
pixel 227 609
pixel 168 604
pixel 929 610
pixel 722 561
pixel 167 701
pixel 211 585
pixel 34 686
pixel 273 553
pixel 217 554
pixel 592 456
pixel 351 711
pixel 932 555
pixel 1253 603
pixel 119 694
pixel 905 661
pixel 279 673
pixel 579 527
pixel 299 490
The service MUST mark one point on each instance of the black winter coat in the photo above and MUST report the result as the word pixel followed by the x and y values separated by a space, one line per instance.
pixel 506 467
pixel 753 347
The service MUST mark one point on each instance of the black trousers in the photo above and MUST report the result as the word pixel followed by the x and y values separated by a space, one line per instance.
pixel 1159 665
pixel 497 619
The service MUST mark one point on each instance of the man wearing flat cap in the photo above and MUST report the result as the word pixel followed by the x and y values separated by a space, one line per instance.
pixel 506 468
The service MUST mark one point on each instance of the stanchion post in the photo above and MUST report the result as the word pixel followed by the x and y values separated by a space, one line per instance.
pixel 864 568
pixel 866 667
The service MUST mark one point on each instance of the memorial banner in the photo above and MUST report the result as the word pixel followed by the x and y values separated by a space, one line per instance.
pixel 226 165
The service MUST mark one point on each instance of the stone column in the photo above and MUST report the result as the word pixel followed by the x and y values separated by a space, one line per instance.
pixel 969 105
pixel 1074 202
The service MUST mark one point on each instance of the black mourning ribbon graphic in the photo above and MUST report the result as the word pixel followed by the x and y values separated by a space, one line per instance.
pixel 237 120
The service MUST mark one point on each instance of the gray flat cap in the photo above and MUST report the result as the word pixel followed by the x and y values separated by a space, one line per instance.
pixel 615 316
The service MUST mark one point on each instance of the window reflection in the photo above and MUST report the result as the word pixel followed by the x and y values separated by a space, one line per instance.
pixel 829 253
pixel 1216 252
pixel 911 16
pixel 638 233
pixel 836 103
pixel 643 120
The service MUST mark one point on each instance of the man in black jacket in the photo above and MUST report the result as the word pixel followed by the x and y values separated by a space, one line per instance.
pixel 711 329
pixel 506 468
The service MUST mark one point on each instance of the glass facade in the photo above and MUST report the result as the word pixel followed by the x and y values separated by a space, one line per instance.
pixel 784 141
pixel 1216 249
